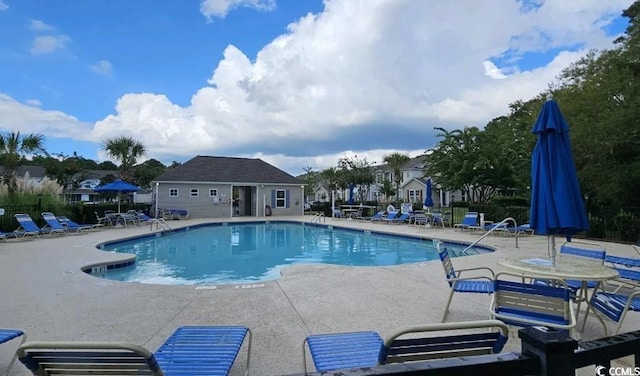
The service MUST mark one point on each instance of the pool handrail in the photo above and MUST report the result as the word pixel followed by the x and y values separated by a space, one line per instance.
pixel 508 219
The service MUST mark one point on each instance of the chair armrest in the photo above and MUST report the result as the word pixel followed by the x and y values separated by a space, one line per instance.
pixel 493 274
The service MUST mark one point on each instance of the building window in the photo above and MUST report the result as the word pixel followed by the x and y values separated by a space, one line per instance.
pixel 213 193
pixel 281 198
pixel 415 195
pixel 173 192
pixel 195 192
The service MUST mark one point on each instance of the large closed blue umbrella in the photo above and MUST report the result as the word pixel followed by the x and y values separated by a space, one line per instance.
pixel 351 186
pixel 119 186
pixel 556 201
pixel 428 200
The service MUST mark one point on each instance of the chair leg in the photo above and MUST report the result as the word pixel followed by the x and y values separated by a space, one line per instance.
pixel 15 356
pixel 446 307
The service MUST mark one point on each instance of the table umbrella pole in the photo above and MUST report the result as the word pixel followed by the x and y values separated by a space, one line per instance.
pixel 552 248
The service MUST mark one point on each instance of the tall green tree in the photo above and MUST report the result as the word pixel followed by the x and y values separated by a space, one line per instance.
pixel 145 172
pixel 396 161
pixel 311 181
pixel 127 151
pixel 359 173
pixel 332 178
pixel 13 147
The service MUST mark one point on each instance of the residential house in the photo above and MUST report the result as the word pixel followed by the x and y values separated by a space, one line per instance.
pixel 222 187
pixel 83 183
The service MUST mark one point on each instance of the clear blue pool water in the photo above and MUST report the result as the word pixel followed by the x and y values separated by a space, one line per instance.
pixel 257 251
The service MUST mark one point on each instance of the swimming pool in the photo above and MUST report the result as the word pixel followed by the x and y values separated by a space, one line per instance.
pixel 257 251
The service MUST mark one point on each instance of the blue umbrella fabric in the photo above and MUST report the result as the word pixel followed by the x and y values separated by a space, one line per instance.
pixel 428 200
pixel 556 200
pixel 119 186
pixel 351 194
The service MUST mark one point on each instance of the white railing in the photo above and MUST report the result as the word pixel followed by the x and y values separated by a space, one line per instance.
pixel 498 227
pixel 316 218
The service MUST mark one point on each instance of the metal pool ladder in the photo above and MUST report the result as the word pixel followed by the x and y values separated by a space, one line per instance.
pixel 160 224
pixel 316 218
pixel 506 220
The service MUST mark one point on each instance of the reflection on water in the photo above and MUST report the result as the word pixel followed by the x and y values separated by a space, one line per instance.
pixel 253 252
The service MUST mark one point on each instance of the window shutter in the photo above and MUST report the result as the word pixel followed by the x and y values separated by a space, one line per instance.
pixel 273 198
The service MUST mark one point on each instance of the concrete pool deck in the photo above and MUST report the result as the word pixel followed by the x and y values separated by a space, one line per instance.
pixel 45 293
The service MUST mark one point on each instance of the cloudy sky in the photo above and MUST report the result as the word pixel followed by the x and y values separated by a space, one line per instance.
pixel 296 83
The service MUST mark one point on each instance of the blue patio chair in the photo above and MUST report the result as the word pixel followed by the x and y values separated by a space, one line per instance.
pixel 53 225
pixel 7 335
pixel 475 284
pixel 336 351
pixel 190 350
pixel 27 227
pixel 469 222
pixel 529 304
pixel 615 306
pixel 378 216
pixel 439 219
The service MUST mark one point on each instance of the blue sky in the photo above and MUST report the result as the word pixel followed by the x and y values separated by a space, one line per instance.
pixel 296 83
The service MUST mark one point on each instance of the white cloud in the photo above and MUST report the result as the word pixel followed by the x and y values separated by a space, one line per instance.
pixel 102 67
pixel 33 102
pixel 47 44
pixel 29 118
pixel 38 25
pixel 3 6
pixel 220 8
pixel 366 78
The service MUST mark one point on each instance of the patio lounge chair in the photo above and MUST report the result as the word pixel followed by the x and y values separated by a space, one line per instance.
pixel 469 222
pixel 402 218
pixel 366 349
pixel 376 217
pixel 476 284
pixel 7 335
pixel 53 225
pixel 439 219
pixel 191 350
pixel 27 227
pixel 615 306
pixel 72 226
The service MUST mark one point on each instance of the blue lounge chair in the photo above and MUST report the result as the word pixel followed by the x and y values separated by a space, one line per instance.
pixel 7 335
pixel 469 222
pixel 336 351
pixel 478 283
pixel 72 226
pixel 53 225
pixel 378 216
pixel 615 306
pixel 27 227
pixel 190 350
pixel 404 217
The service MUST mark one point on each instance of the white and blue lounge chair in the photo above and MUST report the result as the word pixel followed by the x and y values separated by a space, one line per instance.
pixel 7 335
pixel 27 227
pixel 53 225
pixel 72 226
pixel 378 216
pixel 404 217
pixel 469 222
pixel 190 350
pixel 477 283
pixel 337 351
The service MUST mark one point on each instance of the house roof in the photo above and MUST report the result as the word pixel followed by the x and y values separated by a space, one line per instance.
pixel 227 170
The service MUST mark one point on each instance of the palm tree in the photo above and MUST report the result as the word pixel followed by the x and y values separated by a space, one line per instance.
pixel 13 147
pixel 396 161
pixel 127 151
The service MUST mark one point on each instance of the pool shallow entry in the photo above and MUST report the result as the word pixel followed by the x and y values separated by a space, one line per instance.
pixel 257 251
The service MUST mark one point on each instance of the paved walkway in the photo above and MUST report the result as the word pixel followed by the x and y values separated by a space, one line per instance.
pixel 44 293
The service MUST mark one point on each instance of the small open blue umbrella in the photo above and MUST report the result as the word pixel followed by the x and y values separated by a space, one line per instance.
pixel 119 186
pixel 351 194
pixel 556 201
pixel 428 200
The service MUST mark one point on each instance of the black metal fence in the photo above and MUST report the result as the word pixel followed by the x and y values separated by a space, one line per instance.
pixel 80 213
pixel 620 224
